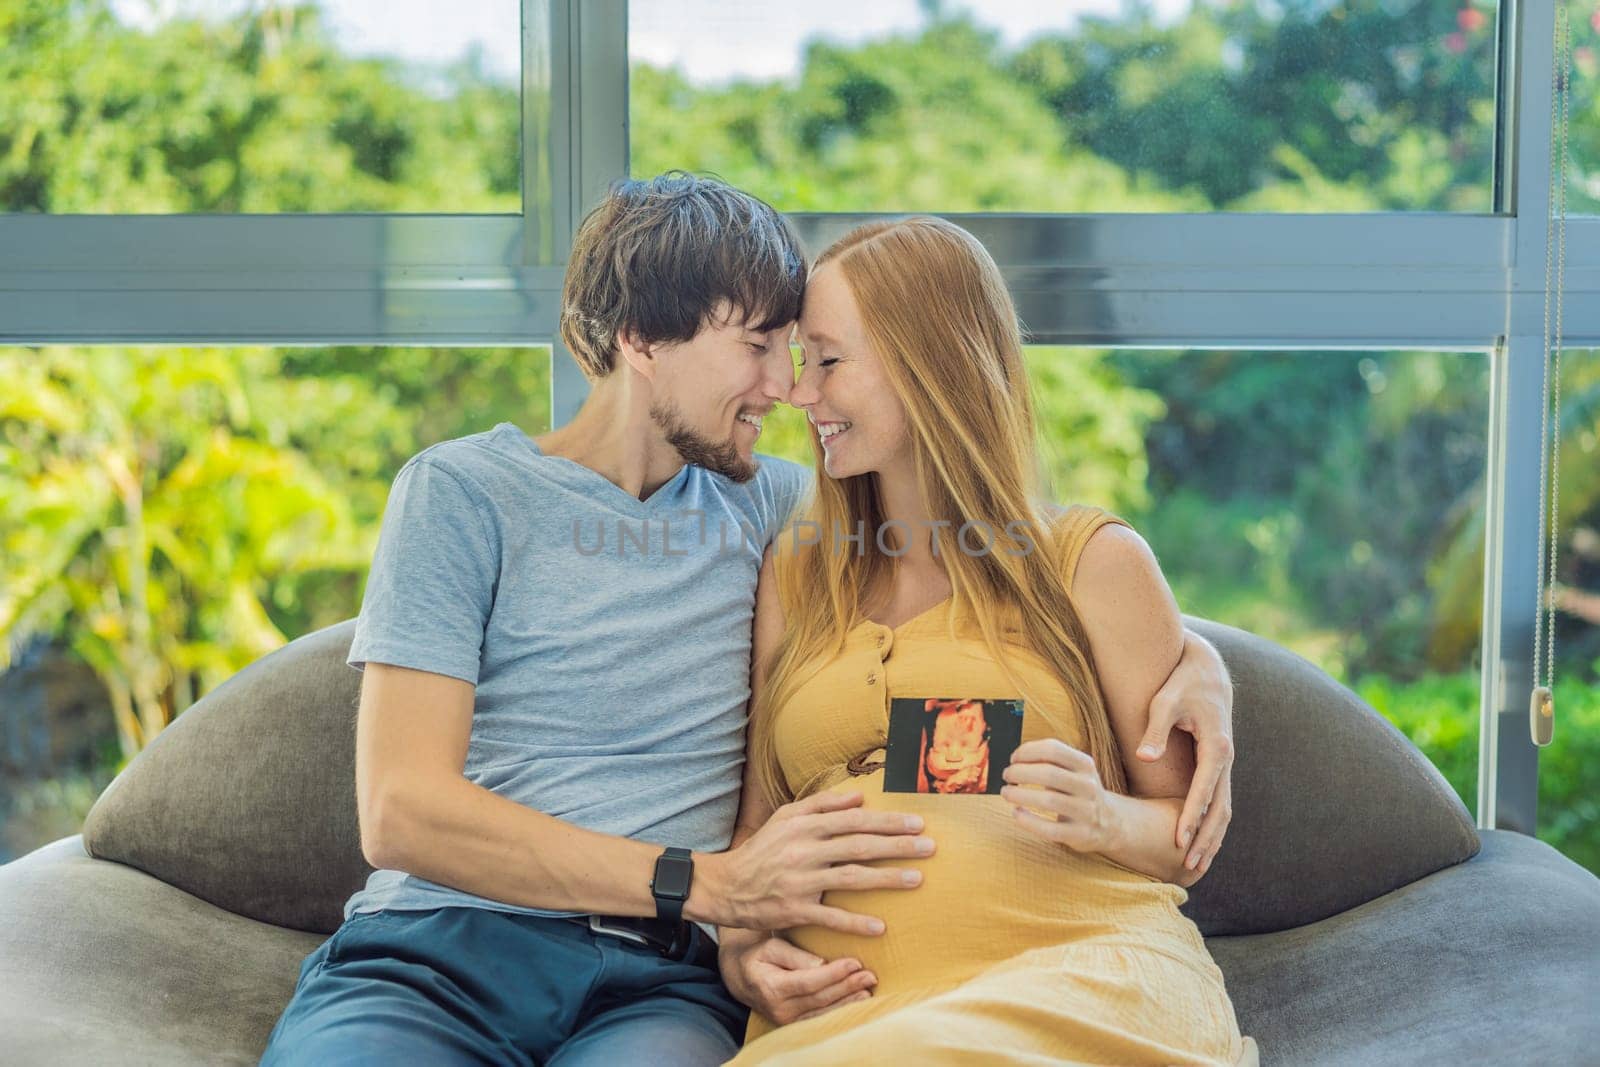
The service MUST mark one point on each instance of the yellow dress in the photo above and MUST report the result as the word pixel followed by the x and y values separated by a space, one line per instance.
pixel 1013 949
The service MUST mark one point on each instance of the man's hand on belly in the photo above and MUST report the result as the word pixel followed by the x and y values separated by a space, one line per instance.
pixel 775 880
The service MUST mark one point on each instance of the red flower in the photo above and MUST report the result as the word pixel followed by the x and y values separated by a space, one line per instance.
pixel 1456 42
pixel 1470 19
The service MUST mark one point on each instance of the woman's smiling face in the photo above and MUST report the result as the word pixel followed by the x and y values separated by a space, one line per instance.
pixel 842 387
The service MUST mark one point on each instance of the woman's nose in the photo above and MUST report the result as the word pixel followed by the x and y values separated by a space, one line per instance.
pixel 804 391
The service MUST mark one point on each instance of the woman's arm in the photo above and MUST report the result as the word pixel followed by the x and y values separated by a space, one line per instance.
pixel 763 970
pixel 1135 638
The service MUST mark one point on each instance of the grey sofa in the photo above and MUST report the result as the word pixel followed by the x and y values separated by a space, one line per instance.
pixel 1357 914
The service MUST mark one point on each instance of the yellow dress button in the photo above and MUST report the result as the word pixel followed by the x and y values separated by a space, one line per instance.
pixel 872 678
pixel 880 640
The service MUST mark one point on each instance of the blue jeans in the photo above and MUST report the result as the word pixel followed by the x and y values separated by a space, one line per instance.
pixel 472 985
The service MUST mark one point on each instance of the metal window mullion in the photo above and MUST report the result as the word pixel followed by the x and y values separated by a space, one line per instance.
pixel 1508 760
pixel 590 79
pixel 86 279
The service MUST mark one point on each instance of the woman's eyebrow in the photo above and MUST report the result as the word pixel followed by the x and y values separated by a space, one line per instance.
pixel 816 338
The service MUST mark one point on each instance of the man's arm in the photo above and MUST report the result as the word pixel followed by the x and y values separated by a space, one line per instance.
pixel 1197 698
pixel 419 814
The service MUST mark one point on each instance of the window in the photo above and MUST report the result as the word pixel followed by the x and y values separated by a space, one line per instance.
pixel 1092 107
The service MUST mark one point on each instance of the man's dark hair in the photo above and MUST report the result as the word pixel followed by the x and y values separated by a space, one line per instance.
pixel 658 256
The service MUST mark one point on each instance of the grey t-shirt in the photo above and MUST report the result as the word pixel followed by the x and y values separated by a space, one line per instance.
pixel 608 637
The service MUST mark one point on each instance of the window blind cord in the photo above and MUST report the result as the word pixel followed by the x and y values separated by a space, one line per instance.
pixel 1541 705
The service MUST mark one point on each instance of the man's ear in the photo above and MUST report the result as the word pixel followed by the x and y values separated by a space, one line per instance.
pixel 638 353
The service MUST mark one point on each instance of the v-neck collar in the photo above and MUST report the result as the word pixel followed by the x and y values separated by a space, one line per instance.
pixel 918 617
pixel 592 483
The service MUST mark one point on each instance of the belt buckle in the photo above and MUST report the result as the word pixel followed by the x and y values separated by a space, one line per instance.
pixel 598 925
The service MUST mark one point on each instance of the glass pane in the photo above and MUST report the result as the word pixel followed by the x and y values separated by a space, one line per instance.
pixel 260 106
pixel 1583 108
pixel 170 515
pixel 1332 502
pixel 1261 105
pixel 1569 768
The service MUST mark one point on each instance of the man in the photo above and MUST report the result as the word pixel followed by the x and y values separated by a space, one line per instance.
pixel 555 637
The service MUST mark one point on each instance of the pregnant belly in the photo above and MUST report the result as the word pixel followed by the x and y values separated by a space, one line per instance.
pixel 991 889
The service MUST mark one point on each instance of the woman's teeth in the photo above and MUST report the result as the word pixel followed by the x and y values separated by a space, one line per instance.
pixel 833 429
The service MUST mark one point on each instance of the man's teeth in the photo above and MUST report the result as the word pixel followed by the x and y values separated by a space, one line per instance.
pixel 831 429
pixel 753 420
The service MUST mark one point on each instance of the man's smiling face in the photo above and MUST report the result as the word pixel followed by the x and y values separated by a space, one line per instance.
pixel 712 391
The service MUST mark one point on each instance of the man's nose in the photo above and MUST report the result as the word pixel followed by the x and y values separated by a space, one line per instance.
pixel 778 382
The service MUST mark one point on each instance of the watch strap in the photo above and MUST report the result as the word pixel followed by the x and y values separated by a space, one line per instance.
pixel 673 861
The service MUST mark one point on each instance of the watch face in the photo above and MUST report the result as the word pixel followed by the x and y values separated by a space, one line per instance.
pixel 672 877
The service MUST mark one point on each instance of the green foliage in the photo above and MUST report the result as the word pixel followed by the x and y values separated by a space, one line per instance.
pixel 1363 105
pixel 1092 426
pixel 162 510
pixel 1458 605
pixel 258 113
pixel 151 496
pixel 1349 473
pixel 924 122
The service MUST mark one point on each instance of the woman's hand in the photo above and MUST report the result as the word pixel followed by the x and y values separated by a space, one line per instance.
pixel 1078 809
pixel 786 983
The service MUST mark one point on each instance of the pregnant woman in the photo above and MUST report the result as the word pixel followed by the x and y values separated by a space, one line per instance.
pixel 931 582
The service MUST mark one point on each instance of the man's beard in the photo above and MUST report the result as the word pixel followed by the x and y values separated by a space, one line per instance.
pixel 719 457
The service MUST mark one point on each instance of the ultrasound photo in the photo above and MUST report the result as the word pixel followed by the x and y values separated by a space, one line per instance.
pixel 950 744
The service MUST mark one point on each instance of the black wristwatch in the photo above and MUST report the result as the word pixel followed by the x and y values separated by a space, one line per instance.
pixel 670 886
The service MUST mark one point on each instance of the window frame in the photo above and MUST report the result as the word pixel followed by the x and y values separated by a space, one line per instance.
pixel 1385 280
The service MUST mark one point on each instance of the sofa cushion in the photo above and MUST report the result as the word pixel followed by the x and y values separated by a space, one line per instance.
pixel 1489 961
pixel 102 964
pixel 247 799
pixel 1332 806
pixel 1495 960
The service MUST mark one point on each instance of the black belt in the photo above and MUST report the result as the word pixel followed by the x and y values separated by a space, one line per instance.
pixel 670 939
